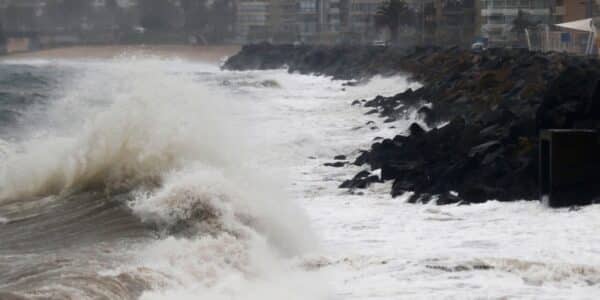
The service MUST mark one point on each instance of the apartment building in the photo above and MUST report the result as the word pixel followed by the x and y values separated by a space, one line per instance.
pixel 571 10
pixel 320 21
pixel 497 17
pixel 334 14
pixel 283 20
pixel 361 20
pixel 309 19
pixel 252 20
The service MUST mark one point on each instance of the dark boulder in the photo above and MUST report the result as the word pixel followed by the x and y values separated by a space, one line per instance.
pixel 486 110
pixel 337 164
pixel 361 180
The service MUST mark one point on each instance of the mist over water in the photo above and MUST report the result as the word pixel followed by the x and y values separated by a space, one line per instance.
pixel 157 151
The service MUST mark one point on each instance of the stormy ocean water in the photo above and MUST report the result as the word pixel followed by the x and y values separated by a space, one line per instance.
pixel 151 178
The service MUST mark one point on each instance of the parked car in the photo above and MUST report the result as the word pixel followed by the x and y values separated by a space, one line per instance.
pixel 478 46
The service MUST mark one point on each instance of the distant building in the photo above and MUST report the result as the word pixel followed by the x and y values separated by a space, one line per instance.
pixel 286 20
pixel 309 19
pixel 334 15
pixel 497 17
pixel 319 21
pixel 361 20
pixel 571 10
pixel 333 19
pixel 252 21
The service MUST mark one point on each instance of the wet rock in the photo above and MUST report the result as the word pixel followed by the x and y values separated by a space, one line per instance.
pixel 486 110
pixel 337 164
pixel 360 181
pixel 416 130
pixel 484 148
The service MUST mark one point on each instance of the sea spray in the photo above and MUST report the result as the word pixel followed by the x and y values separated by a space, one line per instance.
pixel 175 145
pixel 128 124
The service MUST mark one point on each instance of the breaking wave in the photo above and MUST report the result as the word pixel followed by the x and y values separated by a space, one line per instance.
pixel 166 148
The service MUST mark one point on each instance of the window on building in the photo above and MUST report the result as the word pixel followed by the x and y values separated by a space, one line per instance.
pixel 524 4
pixel 496 19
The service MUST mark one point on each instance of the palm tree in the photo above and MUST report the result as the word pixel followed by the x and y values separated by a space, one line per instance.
pixel 391 14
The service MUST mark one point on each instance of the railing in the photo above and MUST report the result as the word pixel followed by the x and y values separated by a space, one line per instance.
pixel 544 39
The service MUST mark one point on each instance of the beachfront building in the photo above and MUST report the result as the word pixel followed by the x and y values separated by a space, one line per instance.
pixel 319 21
pixel 497 17
pixel 361 21
pixel 309 19
pixel 305 21
pixel 251 21
pixel 331 18
pixel 572 10
pixel 284 20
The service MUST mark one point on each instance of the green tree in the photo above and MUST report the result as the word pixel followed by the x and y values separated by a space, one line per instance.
pixel 391 14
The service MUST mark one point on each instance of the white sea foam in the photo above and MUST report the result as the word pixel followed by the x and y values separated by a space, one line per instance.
pixel 229 231
pixel 119 126
pixel 181 146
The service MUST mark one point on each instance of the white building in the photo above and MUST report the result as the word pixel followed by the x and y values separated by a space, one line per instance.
pixel 497 17
pixel 319 20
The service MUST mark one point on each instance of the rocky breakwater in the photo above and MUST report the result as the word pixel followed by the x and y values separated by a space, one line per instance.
pixel 485 111
pixel 341 62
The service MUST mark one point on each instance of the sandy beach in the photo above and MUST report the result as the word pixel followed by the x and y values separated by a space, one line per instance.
pixel 197 53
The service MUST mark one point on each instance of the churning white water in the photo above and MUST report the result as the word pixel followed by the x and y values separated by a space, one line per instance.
pixel 226 170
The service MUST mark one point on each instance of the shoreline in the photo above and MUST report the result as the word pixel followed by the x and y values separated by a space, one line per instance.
pixel 211 54
pixel 484 112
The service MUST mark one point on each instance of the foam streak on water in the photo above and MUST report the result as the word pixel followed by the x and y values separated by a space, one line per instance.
pixel 161 179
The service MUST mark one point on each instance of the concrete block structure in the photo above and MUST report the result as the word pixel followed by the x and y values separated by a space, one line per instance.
pixel 568 167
